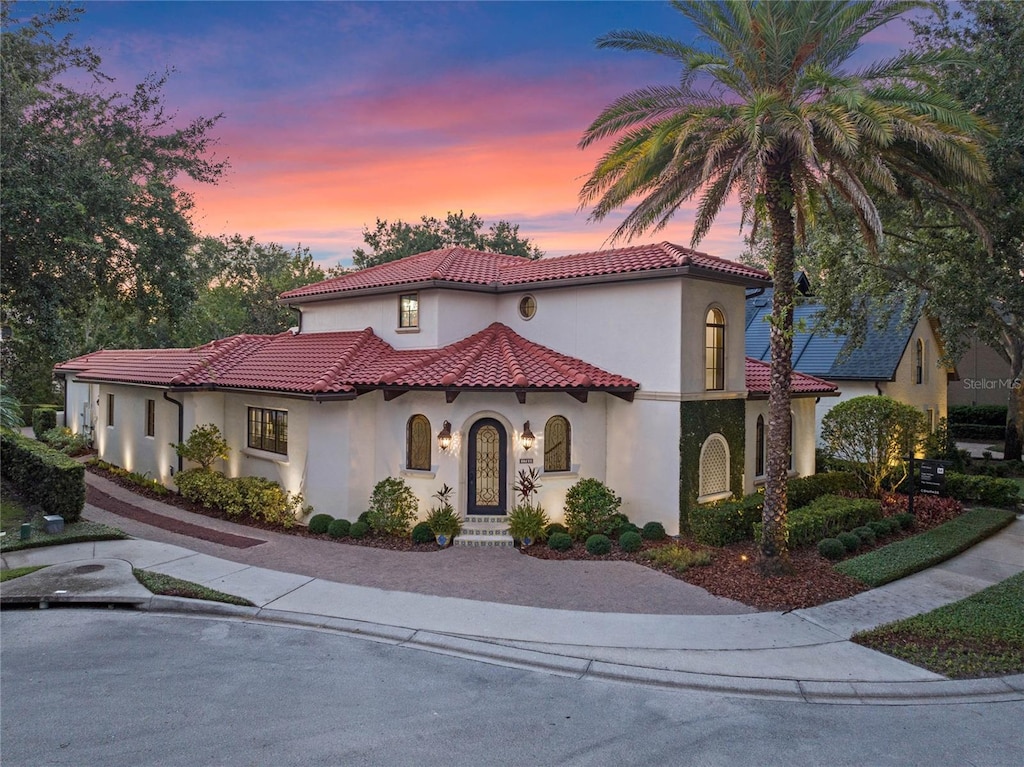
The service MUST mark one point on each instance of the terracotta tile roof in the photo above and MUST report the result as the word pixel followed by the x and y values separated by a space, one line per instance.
pixel 498 357
pixel 344 362
pixel 474 267
pixel 759 381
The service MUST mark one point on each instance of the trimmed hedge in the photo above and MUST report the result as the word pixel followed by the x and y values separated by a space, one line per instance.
pixel 977 431
pixel 28 410
pixel 718 524
pixel 260 498
pixel 903 558
pixel 979 488
pixel 44 476
pixel 804 490
pixel 826 517
pixel 991 415
pixel 43 419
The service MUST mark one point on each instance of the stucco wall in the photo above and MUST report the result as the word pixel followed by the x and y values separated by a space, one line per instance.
pixel 125 443
pixel 930 395
pixel 804 440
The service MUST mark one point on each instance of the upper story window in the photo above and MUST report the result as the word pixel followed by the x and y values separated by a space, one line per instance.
pixel 527 307
pixel 557 444
pixel 150 417
pixel 919 362
pixel 409 310
pixel 417 443
pixel 714 350
pixel 268 430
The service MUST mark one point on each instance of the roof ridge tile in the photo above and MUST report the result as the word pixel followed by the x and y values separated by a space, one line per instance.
pixel 327 380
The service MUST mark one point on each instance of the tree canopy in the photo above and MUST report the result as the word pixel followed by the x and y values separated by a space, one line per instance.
pixel 92 210
pixel 768 111
pixel 390 241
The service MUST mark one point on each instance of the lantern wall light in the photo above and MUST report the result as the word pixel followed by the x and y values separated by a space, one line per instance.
pixel 444 437
pixel 527 437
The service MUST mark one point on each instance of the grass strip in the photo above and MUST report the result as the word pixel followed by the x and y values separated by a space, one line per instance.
pixel 17 572
pixel 903 558
pixel 76 532
pixel 169 586
pixel 980 636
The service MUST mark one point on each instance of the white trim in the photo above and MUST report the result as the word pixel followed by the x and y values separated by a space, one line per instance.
pixel 265 455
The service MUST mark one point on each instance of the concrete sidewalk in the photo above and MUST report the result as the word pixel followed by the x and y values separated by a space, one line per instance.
pixel 802 655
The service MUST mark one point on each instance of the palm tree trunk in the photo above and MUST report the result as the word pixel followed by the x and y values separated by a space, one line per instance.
pixel 774 539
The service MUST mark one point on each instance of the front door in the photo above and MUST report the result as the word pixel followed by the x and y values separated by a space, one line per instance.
pixel 488 468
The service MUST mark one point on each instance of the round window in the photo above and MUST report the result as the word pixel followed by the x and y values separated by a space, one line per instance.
pixel 527 307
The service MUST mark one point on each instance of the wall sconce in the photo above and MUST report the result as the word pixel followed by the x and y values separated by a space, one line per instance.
pixel 444 437
pixel 527 436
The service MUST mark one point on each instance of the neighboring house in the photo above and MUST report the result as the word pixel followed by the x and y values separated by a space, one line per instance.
pixel 460 367
pixel 898 358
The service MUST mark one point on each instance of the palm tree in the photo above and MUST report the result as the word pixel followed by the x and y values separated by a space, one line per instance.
pixel 767 112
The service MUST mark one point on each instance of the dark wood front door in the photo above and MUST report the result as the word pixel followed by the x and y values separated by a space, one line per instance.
pixel 488 468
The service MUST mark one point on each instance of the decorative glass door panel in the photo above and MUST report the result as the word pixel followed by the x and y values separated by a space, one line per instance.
pixel 488 467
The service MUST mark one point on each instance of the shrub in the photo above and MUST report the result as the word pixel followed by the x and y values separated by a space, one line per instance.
pixel 422 533
pixel 802 490
pixel 718 524
pixel 591 508
pixel 630 541
pixel 560 541
pixel 654 531
pixel 826 516
pixel 553 528
pixel 676 558
pixel 881 527
pixel 527 521
pixel 319 523
pixel 599 544
pixel 831 548
pixel 866 535
pixel 339 528
pixel 364 517
pixel 205 445
pixel 975 488
pixel 260 498
pixel 850 541
pixel 66 441
pixel 992 415
pixel 444 521
pixel 905 521
pixel 977 431
pixel 393 507
pixel 627 527
pixel 359 530
pixel 876 433
pixel 931 509
pixel 43 419
pixel 43 475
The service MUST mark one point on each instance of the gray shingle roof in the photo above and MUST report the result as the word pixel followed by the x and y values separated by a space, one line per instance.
pixel 828 355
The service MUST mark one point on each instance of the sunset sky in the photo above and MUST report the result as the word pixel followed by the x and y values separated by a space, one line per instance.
pixel 339 113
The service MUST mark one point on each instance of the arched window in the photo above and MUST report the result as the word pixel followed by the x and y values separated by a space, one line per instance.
pixel 759 448
pixel 714 469
pixel 919 362
pixel 714 350
pixel 557 444
pixel 417 443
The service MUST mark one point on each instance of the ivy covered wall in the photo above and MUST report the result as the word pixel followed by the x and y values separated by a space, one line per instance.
pixel 699 419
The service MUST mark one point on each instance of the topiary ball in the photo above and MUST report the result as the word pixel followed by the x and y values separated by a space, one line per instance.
pixel 359 529
pixel 880 527
pixel 422 533
pixel 630 541
pixel 866 534
pixel 831 548
pixel 850 541
pixel 560 541
pixel 553 528
pixel 319 523
pixel 599 544
pixel 654 531
pixel 906 521
pixel 339 528
pixel 364 517
pixel 628 527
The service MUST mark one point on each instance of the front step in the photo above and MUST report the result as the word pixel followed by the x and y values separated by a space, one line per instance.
pixel 484 531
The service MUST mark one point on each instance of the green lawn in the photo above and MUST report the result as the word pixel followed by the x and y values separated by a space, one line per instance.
pixel 980 636
pixel 12 514
pixel 17 572
pixel 170 586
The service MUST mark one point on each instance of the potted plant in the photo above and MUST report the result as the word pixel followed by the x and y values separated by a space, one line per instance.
pixel 527 520
pixel 444 523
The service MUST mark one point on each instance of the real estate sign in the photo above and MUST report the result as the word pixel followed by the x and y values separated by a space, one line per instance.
pixel 933 477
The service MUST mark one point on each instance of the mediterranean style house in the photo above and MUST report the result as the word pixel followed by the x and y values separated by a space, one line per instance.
pixel 899 356
pixel 461 367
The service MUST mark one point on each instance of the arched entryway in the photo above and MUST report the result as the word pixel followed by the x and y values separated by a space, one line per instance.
pixel 487 474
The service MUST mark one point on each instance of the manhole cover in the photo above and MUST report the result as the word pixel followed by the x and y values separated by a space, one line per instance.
pixel 87 569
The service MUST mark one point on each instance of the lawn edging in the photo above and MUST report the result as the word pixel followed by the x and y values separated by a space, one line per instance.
pixel 911 555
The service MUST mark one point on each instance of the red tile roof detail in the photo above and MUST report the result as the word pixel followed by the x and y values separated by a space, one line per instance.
pixel 475 267
pixel 759 380
pixel 498 357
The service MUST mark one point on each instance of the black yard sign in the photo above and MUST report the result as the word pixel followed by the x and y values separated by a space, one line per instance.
pixel 933 477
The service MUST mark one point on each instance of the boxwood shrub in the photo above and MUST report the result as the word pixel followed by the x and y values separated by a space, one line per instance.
pixel 599 544
pixel 43 476
pixel 339 528
pixel 718 524
pixel 653 531
pixel 831 548
pixel 359 530
pixel 560 541
pixel 319 523
pixel 866 535
pixel 849 540
pixel 801 491
pixel 630 541
pixel 977 488
pixel 421 533
pixel 826 516
pixel 43 419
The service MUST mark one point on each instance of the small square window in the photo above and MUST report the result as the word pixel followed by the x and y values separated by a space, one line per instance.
pixel 409 310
